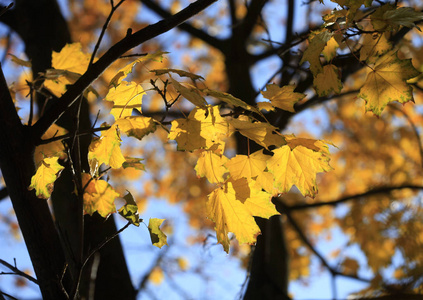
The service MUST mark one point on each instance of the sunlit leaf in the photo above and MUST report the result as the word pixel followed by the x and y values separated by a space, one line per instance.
pixel 228 98
pixel 327 81
pixel 317 43
pixel 282 97
pixel 386 82
pixel 247 166
pixel 131 162
pixel 181 73
pixel 126 97
pixel 130 210
pixel 189 93
pixel 158 238
pixel 136 126
pixel 43 180
pixel 106 149
pixel 211 166
pixel 99 196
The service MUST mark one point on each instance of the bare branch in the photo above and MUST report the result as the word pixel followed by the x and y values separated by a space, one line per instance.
pixel 380 190
pixel 17 271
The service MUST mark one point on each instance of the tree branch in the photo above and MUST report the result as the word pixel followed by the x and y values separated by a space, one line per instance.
pixel 250 20
pixel 188 28
pixel 3 193
pixel 18 272
pixel 96 69
pixel 375 191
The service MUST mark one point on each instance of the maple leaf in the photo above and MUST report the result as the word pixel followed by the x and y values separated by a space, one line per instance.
pixel 158 238
pixel 329 52
pixel 99 196
pixel 327 81
pixel 228 98
pixel 247 166
pixel 122 73
pixel 68 66
pixel 203 128
pixel 263 134
pixel 181 73
pixel 282 97
pixel 106 149
pixel 211 166
pixel 230 215
pixel 131 162
pixel 136 126
pixel 47 172
pixel 317 42
pixel 190 93
pixel 55 148
pixel 126 97
pixel 374 45
pixel 298 165
pixel 386 82
pixel 130 210
pixel 389 17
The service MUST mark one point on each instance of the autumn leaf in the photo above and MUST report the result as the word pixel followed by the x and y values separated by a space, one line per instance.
pixel 329 52
pixel 263 134
pixel 231 215
pixel 125 71
pixel 55 148
pixel 156 276
pixel 243 166
pixel 158 238
pixel 68 66
pixel 190 93
pixel 99 196
pixel 43 180
pixel 106 149
pixel 374 45
pixel 297 166
pixel 131 162
pixel 350 266
pixel 317 43
pixel 211 166
pixel 388 17
pixel 19 61
pixel 386 82
pixel 181 73
pixel 327 81
pixel 228 98
pixel 282 97
pixel 130 210
pixel 126 97
pixel 136 126
pixel 203 128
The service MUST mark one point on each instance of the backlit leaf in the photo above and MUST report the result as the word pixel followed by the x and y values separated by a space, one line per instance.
pixel 158 238
pixel 297 166
pixel 317 43
pixel 106 149
pixel 131 162
pixel 181 73
pixel 228 98
pixel 282 97
pixel 51 149
pixel 130 210
pixel 126 97
pixel 327 81
pixel 386 82
pixel 189 93
pixel 136 126
pixel 247 166
pixel 99 196
pixel 43 180
pixel 211 166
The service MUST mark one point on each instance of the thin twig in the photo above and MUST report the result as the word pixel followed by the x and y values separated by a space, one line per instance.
pixel 18 272
pixel 380 190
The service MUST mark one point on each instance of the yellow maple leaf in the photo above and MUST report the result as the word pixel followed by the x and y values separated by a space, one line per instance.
pixel 190 93
pixel 386 82
pixel 125 97
pixel 374 45
pixel 231 215
pixel 136 126
pixel 122 73
pixel 99 196
pixel 51 149
pixel 211 166
pixel 317 42
pixel 329 51
pixel 158 238
pixel 68 66
pixel 327 81
pixel 43 180
pixel 282 97
pixel 106 149
pixel 263 134
pixel 203 128
pixel 247 166
pixel 297 166
pixel 228 98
